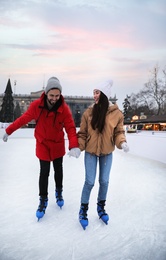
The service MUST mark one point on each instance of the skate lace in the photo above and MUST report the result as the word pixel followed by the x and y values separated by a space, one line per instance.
pixel 43 204
pixel 59 195
pixel 101 211
pixel 83 213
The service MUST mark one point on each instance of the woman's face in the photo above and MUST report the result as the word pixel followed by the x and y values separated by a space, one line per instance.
pixel 96 95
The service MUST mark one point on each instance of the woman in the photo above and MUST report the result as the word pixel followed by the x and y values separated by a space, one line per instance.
pixel 52 115
pixel 101 129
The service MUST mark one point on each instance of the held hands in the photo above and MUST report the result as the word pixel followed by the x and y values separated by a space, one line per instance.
pixel 125 147
pixel 5 137
pixel 74 152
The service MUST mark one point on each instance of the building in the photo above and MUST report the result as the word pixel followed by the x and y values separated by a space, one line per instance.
pixel 143 122
pixel 77 104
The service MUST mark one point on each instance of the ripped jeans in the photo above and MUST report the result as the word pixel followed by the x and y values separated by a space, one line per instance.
pixel 105 163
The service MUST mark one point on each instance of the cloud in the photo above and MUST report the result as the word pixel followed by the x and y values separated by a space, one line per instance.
pixel 83 41
pixel 91 23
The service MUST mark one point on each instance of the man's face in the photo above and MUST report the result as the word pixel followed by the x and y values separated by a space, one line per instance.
pixel 53 96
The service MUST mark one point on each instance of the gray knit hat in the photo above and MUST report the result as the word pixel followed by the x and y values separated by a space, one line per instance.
pixel 52 83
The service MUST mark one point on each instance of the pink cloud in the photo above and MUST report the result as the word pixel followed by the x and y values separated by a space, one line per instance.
pixel 66 39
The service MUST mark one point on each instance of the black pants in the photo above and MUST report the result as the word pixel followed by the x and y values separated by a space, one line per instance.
pixel 44 175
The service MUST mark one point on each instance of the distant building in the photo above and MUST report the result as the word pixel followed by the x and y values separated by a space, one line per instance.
pixel 77 104
pixel 145 122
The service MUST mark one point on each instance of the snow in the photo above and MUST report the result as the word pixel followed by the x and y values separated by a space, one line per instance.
pixel 135 203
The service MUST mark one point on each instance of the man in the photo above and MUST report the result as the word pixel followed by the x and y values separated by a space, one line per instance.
pixel 52 115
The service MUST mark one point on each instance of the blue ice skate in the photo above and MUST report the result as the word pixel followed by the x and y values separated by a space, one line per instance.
pixel 101 212
pixel 42 207
pixel 59 198
pixel 83 215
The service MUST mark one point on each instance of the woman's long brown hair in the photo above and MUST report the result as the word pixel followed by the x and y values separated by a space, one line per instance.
pixel 99 113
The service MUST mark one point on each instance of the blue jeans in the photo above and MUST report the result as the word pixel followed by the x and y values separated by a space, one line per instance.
pixel 105 163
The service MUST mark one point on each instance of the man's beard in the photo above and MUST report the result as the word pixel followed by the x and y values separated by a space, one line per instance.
pixel 50 104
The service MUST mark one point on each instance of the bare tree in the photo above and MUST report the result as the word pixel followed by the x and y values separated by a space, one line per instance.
pixel 164 83
pixel 152 98
pixel 139 104
pixel 154 92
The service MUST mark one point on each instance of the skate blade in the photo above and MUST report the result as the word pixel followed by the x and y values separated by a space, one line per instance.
pixel 60 204
pixel 84 225
pixel 105 220
pixel 39 216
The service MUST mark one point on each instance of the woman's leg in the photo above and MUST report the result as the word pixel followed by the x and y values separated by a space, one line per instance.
pixel 105 163
pixel 43 178
pixel 90 175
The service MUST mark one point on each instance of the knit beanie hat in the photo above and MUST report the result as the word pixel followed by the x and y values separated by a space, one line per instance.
pixel 52 83
pixel 105 87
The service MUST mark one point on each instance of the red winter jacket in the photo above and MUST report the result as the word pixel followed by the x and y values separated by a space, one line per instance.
pixel 49 134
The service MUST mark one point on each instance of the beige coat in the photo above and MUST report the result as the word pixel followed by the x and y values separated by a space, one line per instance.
pixel 102 143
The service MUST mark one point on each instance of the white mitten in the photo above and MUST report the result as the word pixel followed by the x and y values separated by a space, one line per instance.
pixel 74 152
pixel 5 137
pixel 125 147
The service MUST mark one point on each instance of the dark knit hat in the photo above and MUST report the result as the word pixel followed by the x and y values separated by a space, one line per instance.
pixel 52 83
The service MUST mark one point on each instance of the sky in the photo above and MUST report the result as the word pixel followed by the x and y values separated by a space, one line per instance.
pixel 135 204
pixel 82 43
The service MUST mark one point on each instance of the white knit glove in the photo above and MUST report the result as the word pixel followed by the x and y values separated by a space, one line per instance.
pixel 74 152
pixel 5 137
pixel 125 147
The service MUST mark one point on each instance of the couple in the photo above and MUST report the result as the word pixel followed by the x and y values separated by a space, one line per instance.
pixel 100 130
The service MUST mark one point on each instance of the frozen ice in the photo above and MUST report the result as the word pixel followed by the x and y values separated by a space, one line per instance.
pixel 136 204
